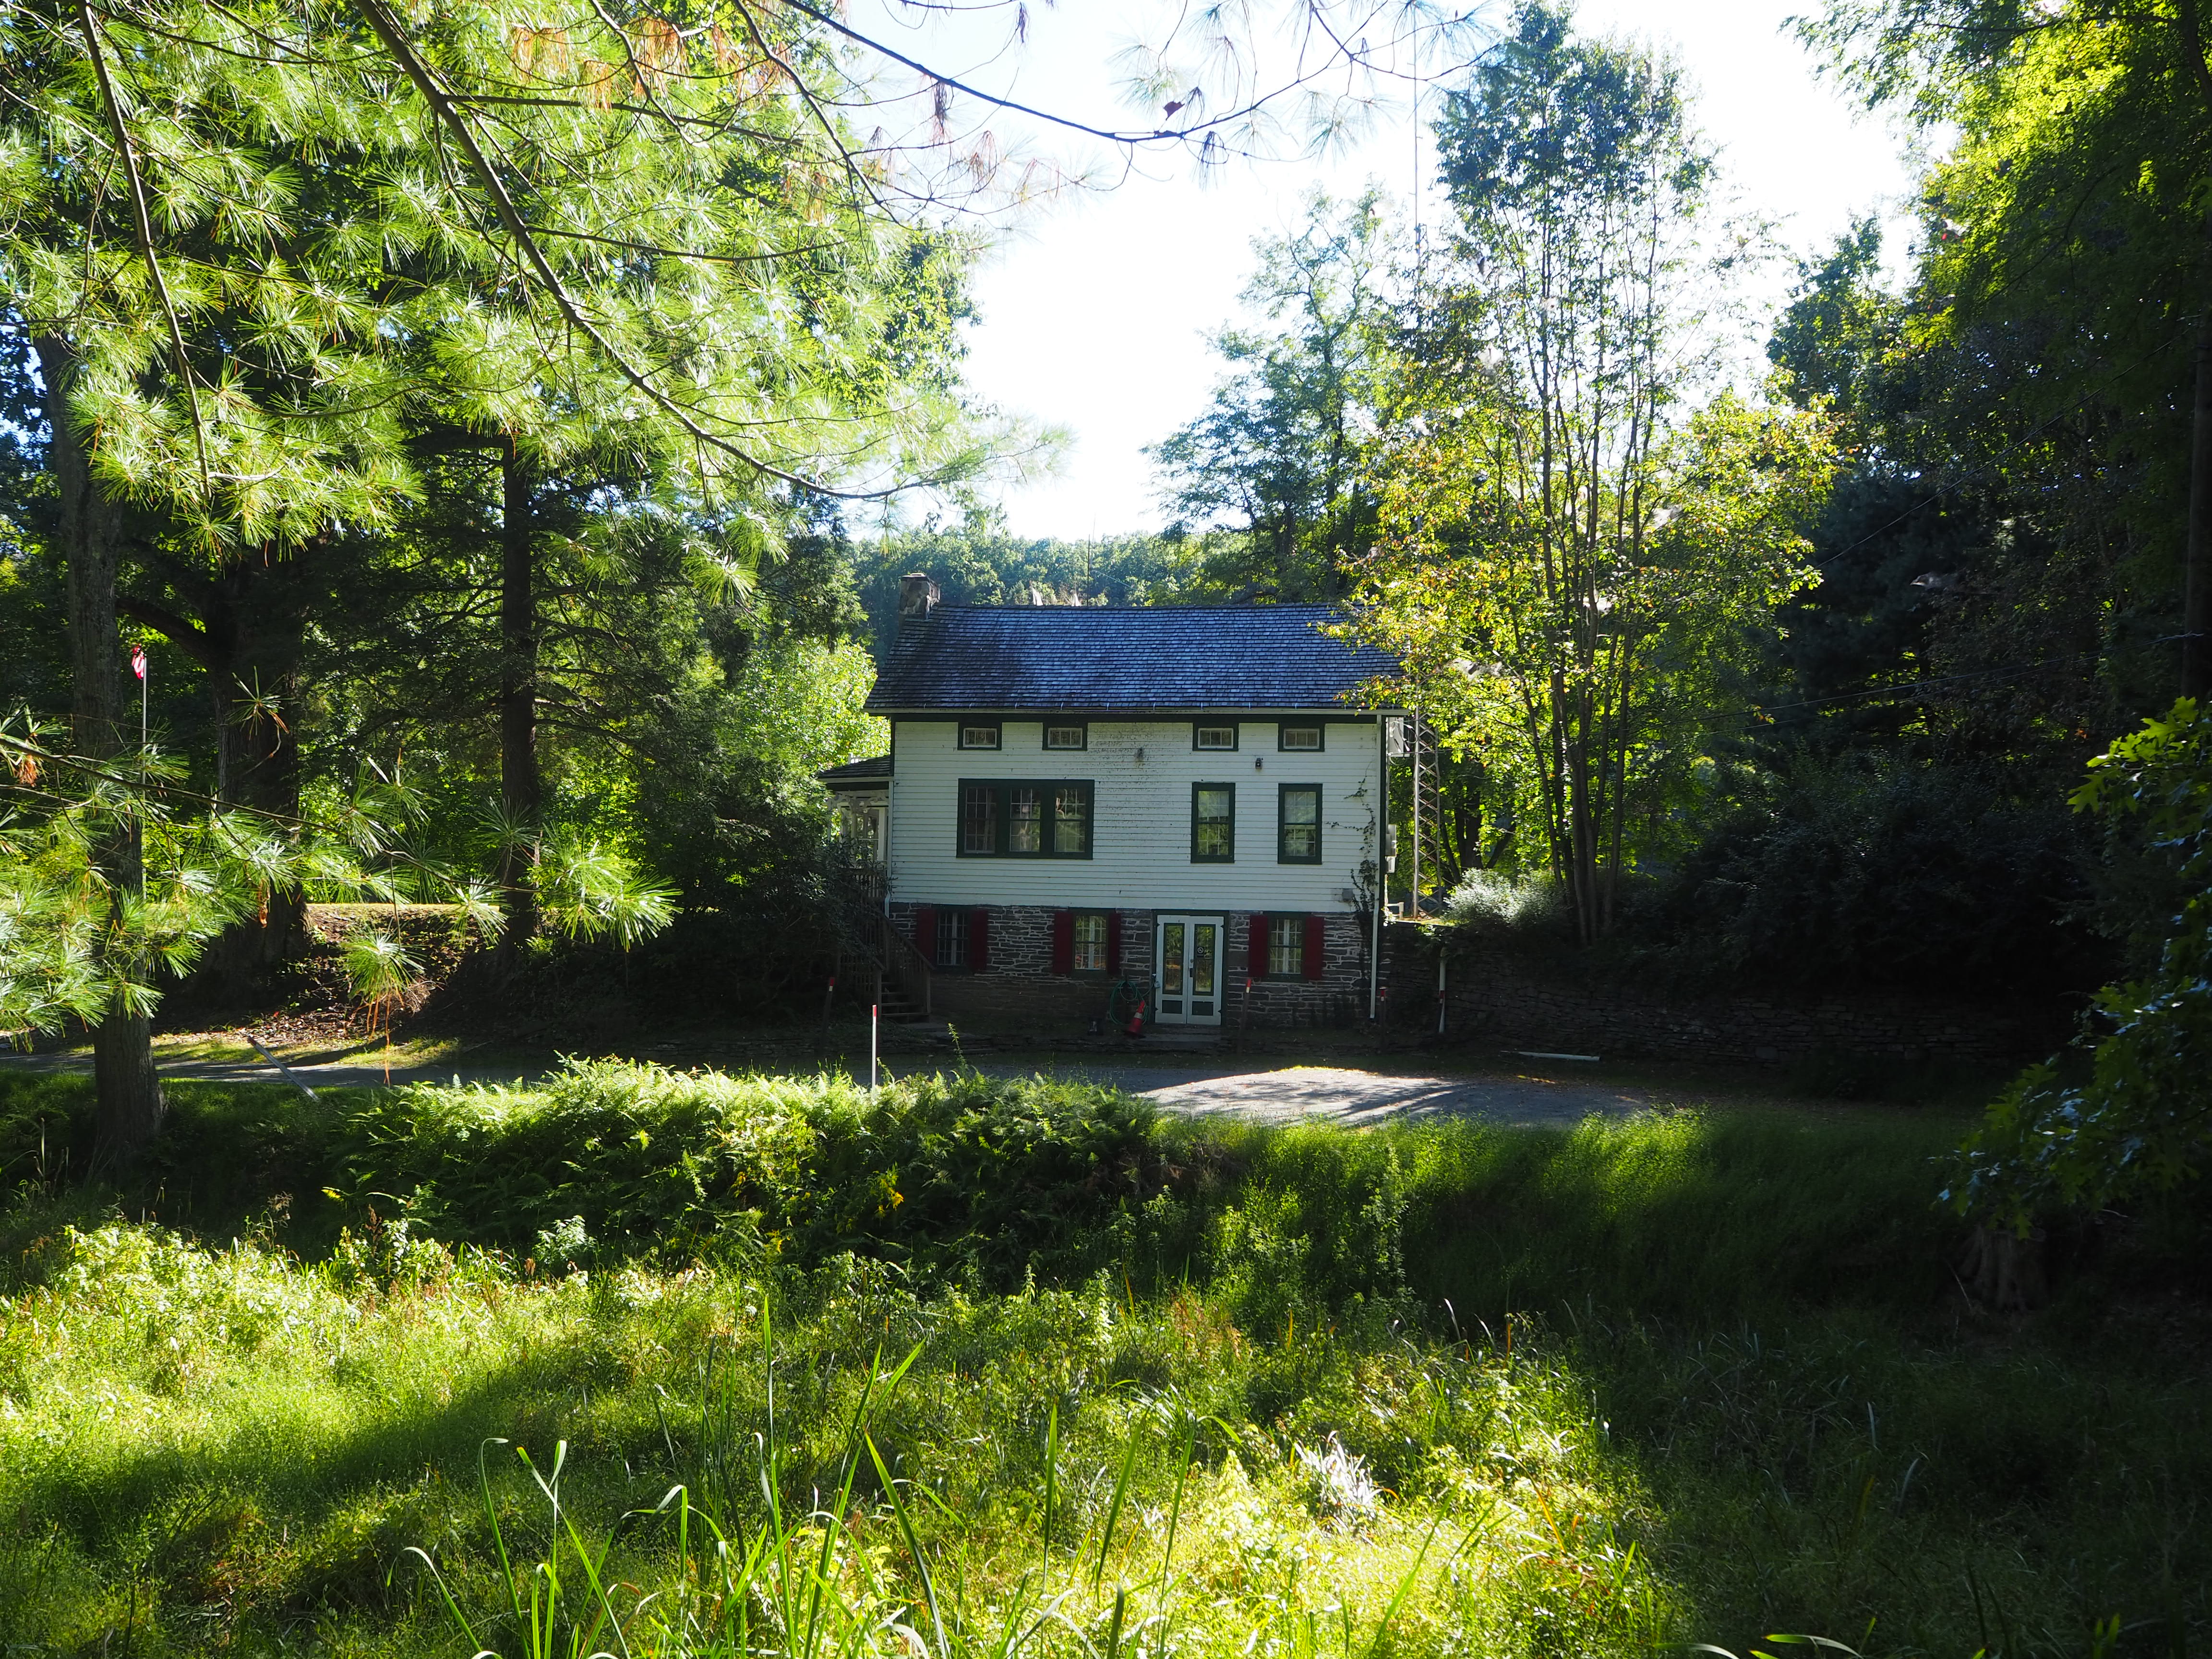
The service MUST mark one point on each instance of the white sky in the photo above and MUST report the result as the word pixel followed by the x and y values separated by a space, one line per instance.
pixel 1094 314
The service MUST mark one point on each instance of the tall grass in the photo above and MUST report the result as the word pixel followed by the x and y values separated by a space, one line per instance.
pixel 223 1447
pixel 1093 1383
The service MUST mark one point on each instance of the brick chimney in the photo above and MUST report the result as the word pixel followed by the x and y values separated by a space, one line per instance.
pixel 918 597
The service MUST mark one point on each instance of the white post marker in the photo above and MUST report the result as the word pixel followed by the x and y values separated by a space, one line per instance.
pixel 874 1010
pixel 1414 879
pixel 139 667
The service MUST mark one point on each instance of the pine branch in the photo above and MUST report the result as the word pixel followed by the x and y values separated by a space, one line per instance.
pixel 449 116
pixel 145 223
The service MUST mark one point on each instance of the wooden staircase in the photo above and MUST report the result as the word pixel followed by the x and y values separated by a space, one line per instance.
pixel 895 1007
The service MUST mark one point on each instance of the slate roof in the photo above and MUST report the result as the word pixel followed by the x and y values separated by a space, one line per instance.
pixel 988 658
pixel 870 774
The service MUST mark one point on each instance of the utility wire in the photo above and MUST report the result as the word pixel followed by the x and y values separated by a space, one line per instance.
pixel 2019 443
pixel 1908 687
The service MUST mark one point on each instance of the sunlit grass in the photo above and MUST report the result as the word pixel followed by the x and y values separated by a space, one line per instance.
pixel 221 1442
pixel 1448 1390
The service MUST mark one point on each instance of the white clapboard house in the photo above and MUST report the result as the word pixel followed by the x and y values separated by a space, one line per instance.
pixel 1080 799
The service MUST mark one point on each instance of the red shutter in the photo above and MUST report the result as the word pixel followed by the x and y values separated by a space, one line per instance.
pixel 1063 941
pixel 924 933
pixel 1312 952
pixel 1114 941
pixel 1256 946
pixel 979 939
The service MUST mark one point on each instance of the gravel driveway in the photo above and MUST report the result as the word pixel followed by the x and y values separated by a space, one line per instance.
pixel 1271 1094
pixel 1284 1094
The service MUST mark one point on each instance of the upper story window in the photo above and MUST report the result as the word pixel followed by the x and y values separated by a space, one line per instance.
pixel 1214 823
pixel 979 819
pixel 1009 818
pixel 1214 734
pixel 1297 823
pixel 1299 740
pixel 983 735
pixel 1067 734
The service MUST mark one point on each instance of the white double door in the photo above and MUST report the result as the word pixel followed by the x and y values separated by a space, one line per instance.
pixel 1188 951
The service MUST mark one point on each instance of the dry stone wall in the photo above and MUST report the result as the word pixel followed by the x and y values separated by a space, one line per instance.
pixel 1493 997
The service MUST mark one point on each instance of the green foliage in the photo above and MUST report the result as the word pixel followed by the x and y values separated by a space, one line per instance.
pixel 957 1177
pixel 1491 901
pixel 1864 872
pixel 1573 563
pixel 75 943
pixel 1277 462
pixel 1698 1377
pixel 2035 375
pixel 1587 702
pixel 949 1176
pixel 1051 1466
pixel 2140 1122
pixel 977 562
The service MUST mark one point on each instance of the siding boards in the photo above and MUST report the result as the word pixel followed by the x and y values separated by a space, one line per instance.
pixel 1140 856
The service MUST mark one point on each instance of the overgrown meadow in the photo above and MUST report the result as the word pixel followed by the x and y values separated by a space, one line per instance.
pixel 645 1363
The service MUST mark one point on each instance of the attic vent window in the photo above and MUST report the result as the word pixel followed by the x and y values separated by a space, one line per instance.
pixel 1065 737
pixel 979 737
pixel 1214 736
pixel 1301 736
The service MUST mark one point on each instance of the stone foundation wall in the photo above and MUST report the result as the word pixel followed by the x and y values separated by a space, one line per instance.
pixel 1018 985
pixel 1494 998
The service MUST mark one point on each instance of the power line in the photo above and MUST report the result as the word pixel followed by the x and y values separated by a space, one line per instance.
pixel 1760 711
pixel 2019 443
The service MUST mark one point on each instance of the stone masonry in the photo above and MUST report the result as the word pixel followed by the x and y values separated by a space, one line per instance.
pixel 1019 987
pixel 1494 998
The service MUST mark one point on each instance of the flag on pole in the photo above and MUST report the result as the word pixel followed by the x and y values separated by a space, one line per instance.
pixel 138 660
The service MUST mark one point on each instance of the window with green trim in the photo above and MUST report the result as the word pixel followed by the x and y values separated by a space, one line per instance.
pixel 1292 739
pixel 1297 823
pixel 1018 818
pixel 1214 823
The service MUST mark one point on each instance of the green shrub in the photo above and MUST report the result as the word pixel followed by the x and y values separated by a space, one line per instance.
pixel 997 1180
pixel 954 1174
pixel 2135 1122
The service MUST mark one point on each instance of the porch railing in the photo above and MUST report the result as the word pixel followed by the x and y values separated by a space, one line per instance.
pixel 905 967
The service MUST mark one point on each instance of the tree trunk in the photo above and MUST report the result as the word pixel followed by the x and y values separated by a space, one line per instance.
pixel 2197 552
pixel 521 788
pixel 2196 568
pixel 247 631
pixel 2003 1271
pixel 273 603
pixel 258 617
pixel 127 1088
